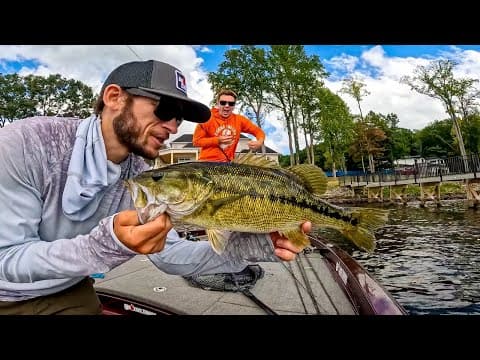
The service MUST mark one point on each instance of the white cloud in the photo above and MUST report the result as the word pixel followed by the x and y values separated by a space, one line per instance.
pixel 91 64
pixel 343 62
pixel 277 139
pixel 381 75
pixel 205 49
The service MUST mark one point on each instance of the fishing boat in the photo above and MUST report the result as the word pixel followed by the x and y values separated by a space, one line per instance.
pixel 322 280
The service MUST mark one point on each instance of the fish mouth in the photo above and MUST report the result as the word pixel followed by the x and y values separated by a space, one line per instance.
pixel 172 192
pixel 150 212
pixel 176 210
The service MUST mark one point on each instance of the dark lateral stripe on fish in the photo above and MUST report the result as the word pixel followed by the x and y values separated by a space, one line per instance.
pixel 323 210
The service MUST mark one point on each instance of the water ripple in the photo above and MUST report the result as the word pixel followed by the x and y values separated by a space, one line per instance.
pixel 428 258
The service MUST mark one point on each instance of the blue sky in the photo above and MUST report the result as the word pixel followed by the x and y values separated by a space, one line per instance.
pixel 212 59
pixel 378 66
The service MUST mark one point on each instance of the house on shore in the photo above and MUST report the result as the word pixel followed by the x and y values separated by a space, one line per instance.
pixel 181 149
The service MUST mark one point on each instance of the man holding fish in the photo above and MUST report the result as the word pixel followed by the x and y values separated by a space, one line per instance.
pixel 66 212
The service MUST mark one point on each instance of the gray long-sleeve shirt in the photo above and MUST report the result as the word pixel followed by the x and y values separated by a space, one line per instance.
pixel 42 251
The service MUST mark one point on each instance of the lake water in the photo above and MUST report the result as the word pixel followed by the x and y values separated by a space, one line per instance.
pixel 429 258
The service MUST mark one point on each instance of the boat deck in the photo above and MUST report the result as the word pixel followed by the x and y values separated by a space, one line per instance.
pixel 303 286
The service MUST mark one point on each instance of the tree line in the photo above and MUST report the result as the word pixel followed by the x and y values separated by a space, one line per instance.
pixel 284 79
pixel 53 95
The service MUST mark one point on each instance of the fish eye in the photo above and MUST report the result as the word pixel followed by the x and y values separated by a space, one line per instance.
pixel 157 176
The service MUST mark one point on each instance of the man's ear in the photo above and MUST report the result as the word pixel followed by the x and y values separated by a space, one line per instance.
pixel 113 97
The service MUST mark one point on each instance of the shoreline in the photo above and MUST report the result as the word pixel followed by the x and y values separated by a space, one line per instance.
pixel 339 196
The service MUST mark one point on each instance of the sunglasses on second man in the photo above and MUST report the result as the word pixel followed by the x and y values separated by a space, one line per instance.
pixel 169 108
pixel 223 103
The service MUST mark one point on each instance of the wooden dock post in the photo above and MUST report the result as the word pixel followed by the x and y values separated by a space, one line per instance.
pixel 358 192
pixel 375 193
pixel 430 191
pixel 473 196
pixel 398 192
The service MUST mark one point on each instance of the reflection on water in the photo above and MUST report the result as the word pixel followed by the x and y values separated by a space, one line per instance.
pixel 428 258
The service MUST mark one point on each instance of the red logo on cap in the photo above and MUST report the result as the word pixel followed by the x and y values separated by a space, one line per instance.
pixel 181 81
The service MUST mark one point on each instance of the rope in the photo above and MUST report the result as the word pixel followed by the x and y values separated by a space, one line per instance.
pixel 260 303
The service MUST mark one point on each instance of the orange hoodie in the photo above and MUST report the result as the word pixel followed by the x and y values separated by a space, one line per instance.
pixel 206 135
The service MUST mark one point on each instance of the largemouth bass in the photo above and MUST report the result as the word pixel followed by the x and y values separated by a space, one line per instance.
pixel 251 194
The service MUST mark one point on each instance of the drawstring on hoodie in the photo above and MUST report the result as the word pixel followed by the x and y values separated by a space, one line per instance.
pixel 228 159
pixel 226 156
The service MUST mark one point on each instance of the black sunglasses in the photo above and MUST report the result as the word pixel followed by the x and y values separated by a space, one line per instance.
pixel 223 103
pixel 169 108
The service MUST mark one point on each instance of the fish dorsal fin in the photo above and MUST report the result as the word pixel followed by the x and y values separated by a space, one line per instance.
pixel 218 239
pixel 250 158
pixel 312 176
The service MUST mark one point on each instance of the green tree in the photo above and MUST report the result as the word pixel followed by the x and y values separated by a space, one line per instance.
pixel 292 75
pixel 57 96
pixel 471 127
pixel 356 89
pixel 369 138
pixel 397 142
pixel 470 123
pixel 437 81
pixel 336 128
pixel 436 139
pixel 14 101
pixel 401 141
pixel 403 144
pixel 78 99
pixel 310 104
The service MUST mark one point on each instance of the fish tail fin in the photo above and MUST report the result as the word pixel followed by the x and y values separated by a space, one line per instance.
pixel 368 220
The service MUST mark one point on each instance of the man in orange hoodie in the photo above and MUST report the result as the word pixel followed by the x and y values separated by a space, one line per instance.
pixel 218 137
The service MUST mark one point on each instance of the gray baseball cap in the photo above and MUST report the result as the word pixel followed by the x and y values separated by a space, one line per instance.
pixel 153 79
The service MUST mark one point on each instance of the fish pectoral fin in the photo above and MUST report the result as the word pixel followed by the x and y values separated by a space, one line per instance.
pixel 297 237
pixel 218 239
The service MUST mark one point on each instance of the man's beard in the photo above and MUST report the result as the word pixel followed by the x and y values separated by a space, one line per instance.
pixel 128 133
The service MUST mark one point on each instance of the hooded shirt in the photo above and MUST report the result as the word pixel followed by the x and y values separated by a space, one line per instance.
pixel 206 135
